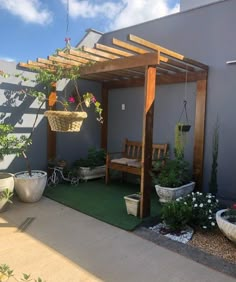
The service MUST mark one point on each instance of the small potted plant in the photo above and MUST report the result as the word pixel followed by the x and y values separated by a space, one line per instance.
pixel 29 185
pixel 7 146
pixel 132 203
pixel 173 179
pixel 91 167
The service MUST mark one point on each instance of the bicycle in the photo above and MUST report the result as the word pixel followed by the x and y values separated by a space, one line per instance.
pixel 57 175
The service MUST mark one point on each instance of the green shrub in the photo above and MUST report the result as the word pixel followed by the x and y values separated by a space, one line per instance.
pixel 176 214
pixel 173 173
pixel 96 157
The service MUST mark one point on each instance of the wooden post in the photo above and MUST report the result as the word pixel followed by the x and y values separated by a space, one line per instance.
pixel 105 117
pixel 199 131
pixel 149 99
pixel 52 137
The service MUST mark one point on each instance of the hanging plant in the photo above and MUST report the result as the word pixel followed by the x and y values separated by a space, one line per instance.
pixel 183 125
pixel 70 118
pixel 180 141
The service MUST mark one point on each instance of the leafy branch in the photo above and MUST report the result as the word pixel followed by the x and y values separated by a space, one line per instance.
pixel 6 273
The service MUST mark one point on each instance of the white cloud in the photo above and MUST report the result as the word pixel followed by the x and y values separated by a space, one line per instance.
pixel 30 11
pixel 139 11
pixel 90 9
pixel 122 13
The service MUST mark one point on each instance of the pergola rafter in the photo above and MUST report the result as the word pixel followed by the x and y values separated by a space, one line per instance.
pixel 137 63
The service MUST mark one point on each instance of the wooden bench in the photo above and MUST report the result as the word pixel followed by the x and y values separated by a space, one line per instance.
pixel 129 160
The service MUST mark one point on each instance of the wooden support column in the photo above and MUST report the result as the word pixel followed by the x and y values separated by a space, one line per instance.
pixel 149 99
pixel 105 117
pixel 52 136
pixel 199 131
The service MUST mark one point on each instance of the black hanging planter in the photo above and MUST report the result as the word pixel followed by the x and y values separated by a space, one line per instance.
pixel 184 127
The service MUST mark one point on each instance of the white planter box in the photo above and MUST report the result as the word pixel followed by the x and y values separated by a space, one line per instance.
pixel 167 194
pixel 132 204
pixel 227 228
pixel 86 173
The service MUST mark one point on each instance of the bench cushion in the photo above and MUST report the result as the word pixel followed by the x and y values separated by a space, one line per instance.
pixel 124 161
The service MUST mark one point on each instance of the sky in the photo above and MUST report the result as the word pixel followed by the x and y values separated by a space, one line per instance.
pixel 36 28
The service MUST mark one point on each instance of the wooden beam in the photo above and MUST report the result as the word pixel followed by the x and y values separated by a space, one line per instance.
pixel 63 61
pixel 45 61
pixel 177 64
pixel 104 128
pixel 163 59
pixel 121 63
pixel 51 135
pixel 162 79
pixel 149 99
pixel 100 53
pixel 71 57
pixel 168 52
pixel 28 66
pixel 86 56
pixel 128 46
pixel 199 132
pixel 113 50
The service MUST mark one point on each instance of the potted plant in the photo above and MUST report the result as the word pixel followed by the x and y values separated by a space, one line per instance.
pixel 29 185
pixel 7 146
pixel 173 179
pixel 91 167
pixel 226 221
pixel 132 203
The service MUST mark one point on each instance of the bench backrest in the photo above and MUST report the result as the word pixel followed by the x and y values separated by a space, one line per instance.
pixel 133 150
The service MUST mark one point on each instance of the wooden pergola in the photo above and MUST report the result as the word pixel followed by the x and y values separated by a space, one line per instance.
pixel 134 63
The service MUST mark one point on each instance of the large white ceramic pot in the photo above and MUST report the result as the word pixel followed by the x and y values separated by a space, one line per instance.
pixel 227 224
pixel 6 182
pixel 30 189
pixel 167 194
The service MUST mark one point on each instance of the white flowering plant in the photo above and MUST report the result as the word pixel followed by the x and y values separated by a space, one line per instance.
pixel 204 207
pixel 196 209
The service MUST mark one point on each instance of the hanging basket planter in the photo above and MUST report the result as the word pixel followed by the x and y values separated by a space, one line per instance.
pixel 184 127
pixel 65 121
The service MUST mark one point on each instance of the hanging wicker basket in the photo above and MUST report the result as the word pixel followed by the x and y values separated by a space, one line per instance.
pixel 64 121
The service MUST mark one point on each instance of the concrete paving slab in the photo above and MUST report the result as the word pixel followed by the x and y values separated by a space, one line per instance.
pixel 62 244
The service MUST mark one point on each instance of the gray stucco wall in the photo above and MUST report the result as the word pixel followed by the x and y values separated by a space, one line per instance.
pixel 206 34
pixel 190 4
pixel 20 112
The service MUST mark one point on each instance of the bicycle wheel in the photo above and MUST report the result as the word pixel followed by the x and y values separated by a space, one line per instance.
pixel 56 179
pixel 50 182
pixel 74 181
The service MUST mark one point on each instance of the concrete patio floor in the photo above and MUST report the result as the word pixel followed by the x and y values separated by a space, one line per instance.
pixel 60 244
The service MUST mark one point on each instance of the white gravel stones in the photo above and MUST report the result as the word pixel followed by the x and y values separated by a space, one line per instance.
pixel 183 236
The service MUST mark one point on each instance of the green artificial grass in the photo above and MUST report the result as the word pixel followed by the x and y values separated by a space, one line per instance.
pixel 101 201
